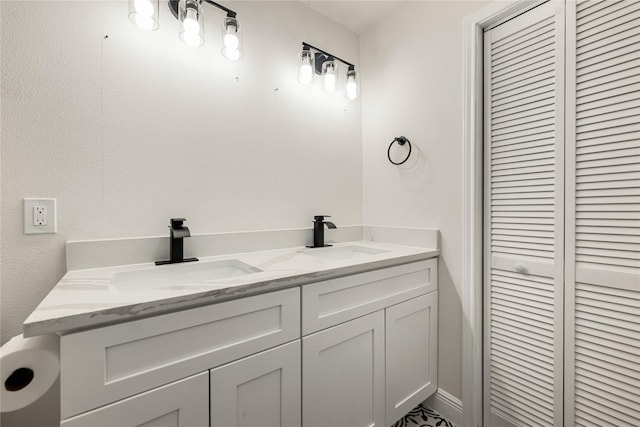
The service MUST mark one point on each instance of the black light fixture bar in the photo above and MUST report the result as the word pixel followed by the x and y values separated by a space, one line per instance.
pixel 230 13
pixel 173 5
pixel 308 46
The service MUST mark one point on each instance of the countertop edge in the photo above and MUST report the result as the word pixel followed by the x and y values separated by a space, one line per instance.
pixel 127 313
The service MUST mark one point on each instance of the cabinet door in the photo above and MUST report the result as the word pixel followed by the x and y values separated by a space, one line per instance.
pixel 262 390
pixel 183 403
pixel 411 354
pixel 343 374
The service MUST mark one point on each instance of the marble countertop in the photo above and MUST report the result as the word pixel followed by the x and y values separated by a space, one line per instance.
pixel 85 299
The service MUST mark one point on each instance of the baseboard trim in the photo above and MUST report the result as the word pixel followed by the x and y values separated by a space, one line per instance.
pixel 446 405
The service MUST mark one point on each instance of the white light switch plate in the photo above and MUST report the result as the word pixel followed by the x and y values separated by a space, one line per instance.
pixel 40 216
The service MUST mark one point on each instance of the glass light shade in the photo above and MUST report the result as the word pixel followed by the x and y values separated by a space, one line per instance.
pixel 231 39
pixel 352 88
pixel 329 76
pixel 144 14
pixel 305 74
pixel 190 15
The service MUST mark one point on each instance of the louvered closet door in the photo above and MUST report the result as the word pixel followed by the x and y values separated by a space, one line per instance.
pixel 524 146
pixel 603 214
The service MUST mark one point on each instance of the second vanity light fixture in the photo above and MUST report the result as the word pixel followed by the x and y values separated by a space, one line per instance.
pixel 144 14
pixel 316 61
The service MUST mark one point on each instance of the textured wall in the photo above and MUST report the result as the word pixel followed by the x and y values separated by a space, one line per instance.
pixel 129 130
pixel 412 86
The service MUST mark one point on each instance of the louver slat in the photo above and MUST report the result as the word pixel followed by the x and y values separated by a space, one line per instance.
pixel 608 375
pixel 621 31
pixel 607 17
pixel 538 110
pixel 522 104
pixel 626 102
pixel 587 8
pixel 624 44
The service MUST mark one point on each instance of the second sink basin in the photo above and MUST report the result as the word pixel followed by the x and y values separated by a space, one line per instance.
pixel 179 276
pixel 336 253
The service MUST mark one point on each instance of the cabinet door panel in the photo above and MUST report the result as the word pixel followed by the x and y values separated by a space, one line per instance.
pixel 411 354
pixel 343 375
pixel 259 391
pixel 180 404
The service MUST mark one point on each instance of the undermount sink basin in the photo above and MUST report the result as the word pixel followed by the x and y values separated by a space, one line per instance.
pixel 179 276
pixel 342 252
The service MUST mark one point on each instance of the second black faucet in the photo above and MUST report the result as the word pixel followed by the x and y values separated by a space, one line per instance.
pixel 177 233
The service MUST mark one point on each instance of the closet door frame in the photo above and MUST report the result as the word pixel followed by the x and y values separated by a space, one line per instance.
pixel 474 26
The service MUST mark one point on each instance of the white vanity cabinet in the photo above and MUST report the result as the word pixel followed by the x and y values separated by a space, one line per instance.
pixel 370 355
pixel 358 350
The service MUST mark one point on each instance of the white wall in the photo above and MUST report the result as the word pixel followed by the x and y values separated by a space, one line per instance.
pixel 130 130
pixel 412 86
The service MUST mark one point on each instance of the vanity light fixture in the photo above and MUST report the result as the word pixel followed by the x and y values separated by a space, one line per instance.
pixel 317 61
pixel 144 14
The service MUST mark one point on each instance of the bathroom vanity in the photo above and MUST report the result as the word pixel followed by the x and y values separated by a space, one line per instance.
pixel 342 336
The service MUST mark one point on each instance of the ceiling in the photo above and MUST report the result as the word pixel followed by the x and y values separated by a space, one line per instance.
pixel 357 16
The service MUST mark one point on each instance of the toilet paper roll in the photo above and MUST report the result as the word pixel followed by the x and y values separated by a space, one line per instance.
pixel 29 367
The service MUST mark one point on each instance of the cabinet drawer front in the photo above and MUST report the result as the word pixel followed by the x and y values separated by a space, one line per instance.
pixel 180 404
pixel 104 365
pixel 335 301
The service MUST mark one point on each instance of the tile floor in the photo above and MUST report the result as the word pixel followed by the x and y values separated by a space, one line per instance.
pixel 423 417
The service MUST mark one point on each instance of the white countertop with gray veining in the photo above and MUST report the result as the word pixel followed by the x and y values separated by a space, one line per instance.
pixel 91 298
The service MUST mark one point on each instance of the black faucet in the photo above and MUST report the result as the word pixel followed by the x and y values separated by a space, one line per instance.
pixel 318 230
pixel 177 233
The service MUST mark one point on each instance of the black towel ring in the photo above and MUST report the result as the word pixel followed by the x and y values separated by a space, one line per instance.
pixel 401 140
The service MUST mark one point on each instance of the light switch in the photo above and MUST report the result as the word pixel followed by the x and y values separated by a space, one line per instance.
pixel 40 216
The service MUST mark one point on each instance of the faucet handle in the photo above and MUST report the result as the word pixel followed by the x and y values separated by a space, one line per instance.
pixel 177 222
pixel 320 217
